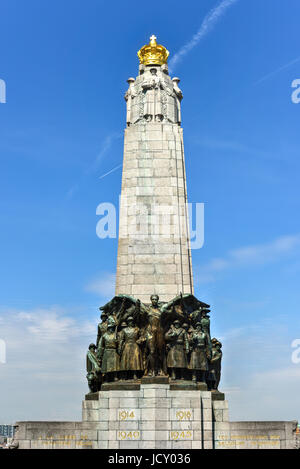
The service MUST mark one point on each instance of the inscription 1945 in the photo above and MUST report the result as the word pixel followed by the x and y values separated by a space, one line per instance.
pixel 181 435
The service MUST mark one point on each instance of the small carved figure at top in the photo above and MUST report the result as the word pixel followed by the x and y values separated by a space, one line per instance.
pixel 178 96
pixel 129 96
pixel 153 101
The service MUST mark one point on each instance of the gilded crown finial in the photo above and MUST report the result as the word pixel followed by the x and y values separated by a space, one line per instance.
pixel 153 40
pixel 153 53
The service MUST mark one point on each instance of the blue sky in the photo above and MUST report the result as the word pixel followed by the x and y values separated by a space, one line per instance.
pixel 65 65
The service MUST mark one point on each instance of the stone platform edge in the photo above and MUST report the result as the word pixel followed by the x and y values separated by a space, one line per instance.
pixel 156 417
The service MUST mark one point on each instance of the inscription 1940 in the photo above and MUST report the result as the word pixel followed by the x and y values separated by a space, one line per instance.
pixel 129 435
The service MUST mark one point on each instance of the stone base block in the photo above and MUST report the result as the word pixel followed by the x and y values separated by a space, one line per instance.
pixel 121 386
pixel 217 396
pixel 155 380
pixel 183 385
pixel 92 396
pixel 155 416
pixel 202 386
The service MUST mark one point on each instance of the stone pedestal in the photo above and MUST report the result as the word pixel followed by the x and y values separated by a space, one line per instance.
pixel 154 417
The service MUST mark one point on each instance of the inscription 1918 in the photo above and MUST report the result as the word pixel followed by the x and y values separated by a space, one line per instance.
pixel 183 415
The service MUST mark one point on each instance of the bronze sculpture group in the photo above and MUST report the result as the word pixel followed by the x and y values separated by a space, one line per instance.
pixel 138 340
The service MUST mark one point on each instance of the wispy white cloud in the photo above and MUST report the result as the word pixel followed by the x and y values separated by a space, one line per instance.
pixel 45 363
pixel 209 22
pixel 259 396
pixel 52 325
pixel 267 252
pixel 102 285
pixel 258 370
pixel 249 255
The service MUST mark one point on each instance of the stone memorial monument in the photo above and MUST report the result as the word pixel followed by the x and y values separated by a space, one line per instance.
pixel 154 370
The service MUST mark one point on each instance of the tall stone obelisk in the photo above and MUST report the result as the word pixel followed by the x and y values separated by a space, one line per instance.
pixel 154 254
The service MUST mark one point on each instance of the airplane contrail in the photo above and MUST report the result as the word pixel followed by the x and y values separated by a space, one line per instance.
pixel 111 171
pixel 207 25
pixel 278 70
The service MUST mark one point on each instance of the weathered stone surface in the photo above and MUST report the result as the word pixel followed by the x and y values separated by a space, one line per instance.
pixel 153 169
pixel 159 418
pixel 217 396
pixel 182 386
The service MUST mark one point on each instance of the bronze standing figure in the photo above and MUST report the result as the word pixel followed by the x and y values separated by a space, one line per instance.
pixel 155 340
pixel 108 354
pixel 130 351
pixel 93 369
pixel 200 353
pixel 178 349
pixel 214 375
pixel 102 328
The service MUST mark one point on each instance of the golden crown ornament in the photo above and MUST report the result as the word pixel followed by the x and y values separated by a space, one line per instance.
pixel 153 53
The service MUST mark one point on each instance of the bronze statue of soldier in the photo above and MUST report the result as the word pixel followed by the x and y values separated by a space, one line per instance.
pixel 200 353
pixel 102 327
pixel 188 329
pixel 214 375
pixel 130 339
pixel 108 353
pixel 205 321
pixel 178 349
pixel 93 369
pixel 157 339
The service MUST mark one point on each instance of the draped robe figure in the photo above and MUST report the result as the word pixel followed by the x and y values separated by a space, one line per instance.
pixel 140 339
pixel 129 349
pixel 178 98
pixel 108 353
pixel 178 348
pixel 129 96
pixel 153 104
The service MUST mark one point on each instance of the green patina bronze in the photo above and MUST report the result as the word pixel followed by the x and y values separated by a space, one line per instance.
pixel 158 340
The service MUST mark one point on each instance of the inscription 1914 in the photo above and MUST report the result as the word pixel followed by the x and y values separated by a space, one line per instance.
pixel 126 414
